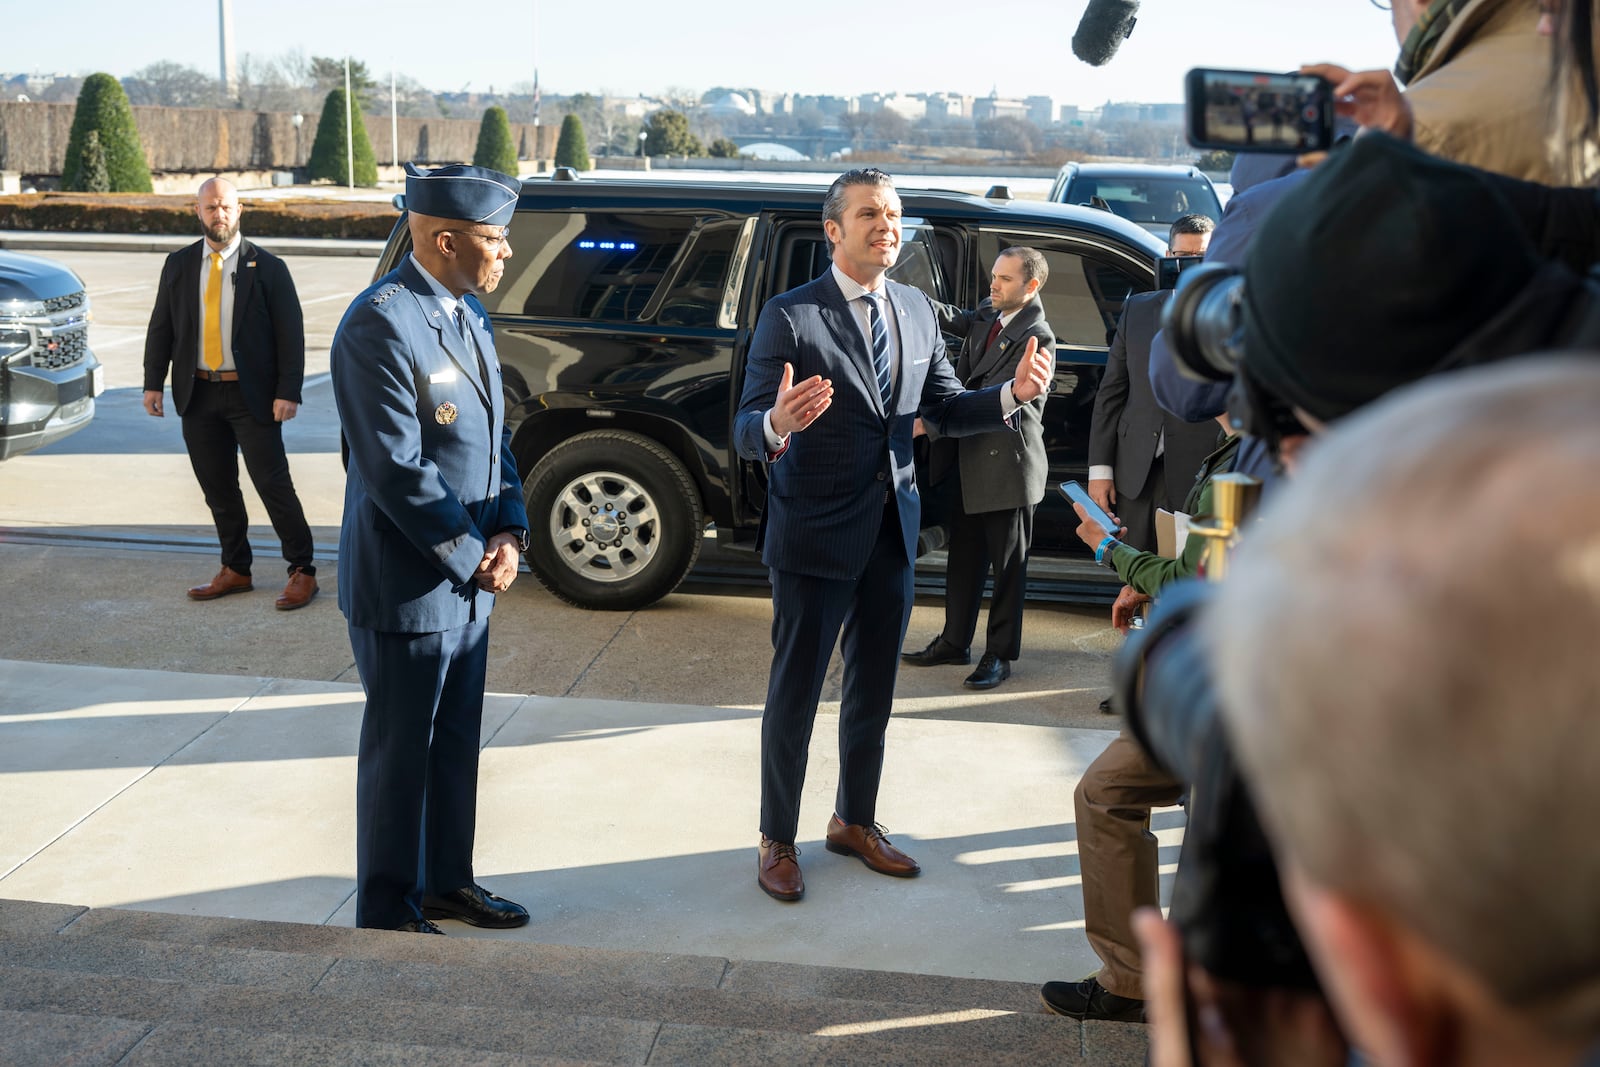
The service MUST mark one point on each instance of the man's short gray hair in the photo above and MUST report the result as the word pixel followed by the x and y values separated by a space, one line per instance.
pixel 1034 265
pixel 1406 656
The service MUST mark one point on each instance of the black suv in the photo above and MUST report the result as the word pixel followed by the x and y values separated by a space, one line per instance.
pixel 622 322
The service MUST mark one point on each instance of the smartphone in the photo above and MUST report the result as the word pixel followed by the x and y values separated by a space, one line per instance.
pixel 1256 111
pixel 1079 495
pixel 1169 268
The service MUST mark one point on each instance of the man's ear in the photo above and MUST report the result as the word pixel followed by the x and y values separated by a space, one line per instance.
pixel 1368 972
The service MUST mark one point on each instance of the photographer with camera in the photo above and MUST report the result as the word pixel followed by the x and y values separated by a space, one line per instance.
pixel 1435 840
pixel 1435 295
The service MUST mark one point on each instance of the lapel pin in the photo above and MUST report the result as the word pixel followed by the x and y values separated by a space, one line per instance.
pixel 445 414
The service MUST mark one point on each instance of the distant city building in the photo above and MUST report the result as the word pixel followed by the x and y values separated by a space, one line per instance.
pixel 1041 110
pixel 726 105
pixel 910 108
pixel 1132 112
pixel 772 150
pixel 947 106
pixel 994 106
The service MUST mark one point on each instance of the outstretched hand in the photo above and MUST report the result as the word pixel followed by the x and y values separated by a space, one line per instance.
pixel 1033 373
pixel 798 406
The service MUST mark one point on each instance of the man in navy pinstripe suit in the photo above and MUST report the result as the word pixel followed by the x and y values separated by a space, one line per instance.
pixel 839 370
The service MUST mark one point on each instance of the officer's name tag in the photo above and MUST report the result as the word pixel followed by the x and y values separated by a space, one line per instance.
pixel 442 377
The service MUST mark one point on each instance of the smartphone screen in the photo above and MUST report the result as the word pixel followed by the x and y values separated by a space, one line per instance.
pixel 1255 111
pixel 1079 495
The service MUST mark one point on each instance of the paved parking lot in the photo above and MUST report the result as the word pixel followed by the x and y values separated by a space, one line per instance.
pixel 118 497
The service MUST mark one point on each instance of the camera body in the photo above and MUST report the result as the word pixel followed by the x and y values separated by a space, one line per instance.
pixel 1226 896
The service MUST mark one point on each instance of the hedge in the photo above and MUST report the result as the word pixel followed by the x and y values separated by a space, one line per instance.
pixel 145 213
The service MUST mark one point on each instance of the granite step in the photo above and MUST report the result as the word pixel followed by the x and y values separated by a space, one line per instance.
pixel 144 987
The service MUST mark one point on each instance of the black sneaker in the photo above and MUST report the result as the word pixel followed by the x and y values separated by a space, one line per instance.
pixel 1089 999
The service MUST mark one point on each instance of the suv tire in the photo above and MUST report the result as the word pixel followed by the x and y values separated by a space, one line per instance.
pixel 630 493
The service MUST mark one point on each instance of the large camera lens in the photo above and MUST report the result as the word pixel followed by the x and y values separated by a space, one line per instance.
pixel 1204 323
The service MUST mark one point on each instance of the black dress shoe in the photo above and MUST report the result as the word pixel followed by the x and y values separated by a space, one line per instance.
pixel 939 651
pixel 990 672
pixel 1089 999
pixel 418 926
pixel 475 906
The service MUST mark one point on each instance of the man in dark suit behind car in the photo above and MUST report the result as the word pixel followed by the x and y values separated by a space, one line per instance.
pixel 1142 458
pixel 1001 474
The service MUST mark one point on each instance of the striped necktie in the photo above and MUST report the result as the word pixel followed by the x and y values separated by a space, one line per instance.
pixel 213 323
pixel 880 346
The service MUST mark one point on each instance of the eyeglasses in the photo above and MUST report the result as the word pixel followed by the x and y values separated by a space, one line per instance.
pixel 1382 5
pixel 495 239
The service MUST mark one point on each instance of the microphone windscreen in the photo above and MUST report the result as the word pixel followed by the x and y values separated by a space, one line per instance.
pixel 1103 28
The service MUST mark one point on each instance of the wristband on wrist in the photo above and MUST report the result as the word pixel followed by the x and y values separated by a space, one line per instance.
pixel 1105 546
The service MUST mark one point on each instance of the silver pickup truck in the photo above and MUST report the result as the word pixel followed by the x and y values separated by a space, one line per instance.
pixel 48 376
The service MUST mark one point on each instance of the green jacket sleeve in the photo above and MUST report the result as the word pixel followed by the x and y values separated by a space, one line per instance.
pixel 1147 572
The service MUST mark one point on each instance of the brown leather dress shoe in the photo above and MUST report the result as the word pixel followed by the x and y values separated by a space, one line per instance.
pixel 778 871
pixel 868 844
pixel 298 593
pixel 227 581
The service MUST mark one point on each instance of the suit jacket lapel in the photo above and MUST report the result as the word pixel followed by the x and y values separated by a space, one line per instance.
pixel 1003 348
pixel 244 281
pixel 835 311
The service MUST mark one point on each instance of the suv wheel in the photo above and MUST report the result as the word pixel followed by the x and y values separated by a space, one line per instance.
pixel 615 521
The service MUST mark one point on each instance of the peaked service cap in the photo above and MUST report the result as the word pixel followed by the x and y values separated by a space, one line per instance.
pixel 471 194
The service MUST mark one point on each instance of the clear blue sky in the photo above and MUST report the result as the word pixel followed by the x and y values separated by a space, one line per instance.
pixel 644 46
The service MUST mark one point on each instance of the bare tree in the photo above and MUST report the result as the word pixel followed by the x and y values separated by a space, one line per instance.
pixel 168 84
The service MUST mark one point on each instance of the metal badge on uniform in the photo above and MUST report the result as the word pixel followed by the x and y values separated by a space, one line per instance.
pixel 442 377
pixel 445 413
pixel 1004 344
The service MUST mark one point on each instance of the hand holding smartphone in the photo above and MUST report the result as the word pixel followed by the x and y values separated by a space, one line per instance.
pixel 1079 495
pixel 1257 111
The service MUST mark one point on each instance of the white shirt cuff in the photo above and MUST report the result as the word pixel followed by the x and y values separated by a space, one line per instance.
pixel 1100 474
pixel 774 442
pixel 1008 403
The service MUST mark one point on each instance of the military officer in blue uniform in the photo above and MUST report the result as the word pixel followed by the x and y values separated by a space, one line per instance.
pixel 433 526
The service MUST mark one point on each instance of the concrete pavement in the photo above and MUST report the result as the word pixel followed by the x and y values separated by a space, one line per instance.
pixel 621 824
pixel 199 758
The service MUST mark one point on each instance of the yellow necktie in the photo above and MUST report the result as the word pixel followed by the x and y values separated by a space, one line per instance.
pixel 213 323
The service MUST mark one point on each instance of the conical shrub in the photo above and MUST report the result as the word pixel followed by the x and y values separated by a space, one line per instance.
pixel 103 109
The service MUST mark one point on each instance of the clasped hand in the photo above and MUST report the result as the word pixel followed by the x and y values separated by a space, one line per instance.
pixel 498 568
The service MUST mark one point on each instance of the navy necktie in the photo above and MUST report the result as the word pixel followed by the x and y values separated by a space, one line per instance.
pixel 880 346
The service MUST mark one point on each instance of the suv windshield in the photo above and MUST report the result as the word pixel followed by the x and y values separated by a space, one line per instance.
pixel 1147 200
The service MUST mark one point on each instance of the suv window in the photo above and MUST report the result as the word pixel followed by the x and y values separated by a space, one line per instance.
pixel 803 256
pixel 607 267
pixel 1147 200
pixel 1085 291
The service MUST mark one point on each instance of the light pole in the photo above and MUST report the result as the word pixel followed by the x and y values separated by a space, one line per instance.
pixel 298 121
pixel 644 135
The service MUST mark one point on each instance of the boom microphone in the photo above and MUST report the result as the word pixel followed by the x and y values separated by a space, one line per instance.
pixel 1103 28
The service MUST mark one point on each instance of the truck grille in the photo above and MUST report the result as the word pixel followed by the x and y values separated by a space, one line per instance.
pixel 57 304
pixel 62 350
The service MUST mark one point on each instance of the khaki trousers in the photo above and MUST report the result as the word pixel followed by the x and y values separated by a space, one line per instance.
pixel 1117 854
